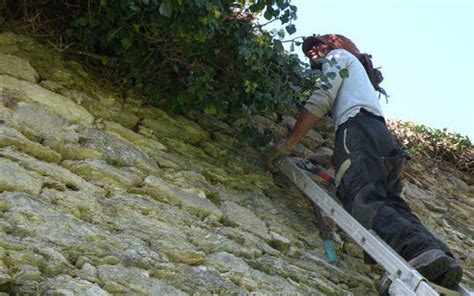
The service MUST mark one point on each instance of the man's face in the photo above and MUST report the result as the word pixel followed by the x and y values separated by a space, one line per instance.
pixel 316 54
pixel 319 50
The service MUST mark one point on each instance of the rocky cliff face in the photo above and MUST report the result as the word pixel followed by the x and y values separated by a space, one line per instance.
pixel 102 194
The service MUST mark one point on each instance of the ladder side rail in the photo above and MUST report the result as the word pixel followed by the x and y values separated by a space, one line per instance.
pixel 464 291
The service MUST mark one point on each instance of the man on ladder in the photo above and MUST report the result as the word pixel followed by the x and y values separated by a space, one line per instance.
pixel 366 157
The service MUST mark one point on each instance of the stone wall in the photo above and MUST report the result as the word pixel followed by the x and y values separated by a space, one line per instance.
pixel 102 194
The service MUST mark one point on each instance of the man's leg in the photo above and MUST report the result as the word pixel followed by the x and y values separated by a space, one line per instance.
pixel 361 144
pixel 449 277
pixel 362 189
pixel 362 194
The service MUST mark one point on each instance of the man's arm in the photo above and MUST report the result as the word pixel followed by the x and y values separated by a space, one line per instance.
pixel 321 100
pixel 305 122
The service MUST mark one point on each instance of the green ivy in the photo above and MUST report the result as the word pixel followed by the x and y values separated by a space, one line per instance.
pixel 438 144
pixel 207 55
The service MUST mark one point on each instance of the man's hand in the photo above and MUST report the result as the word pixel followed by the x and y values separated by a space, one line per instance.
pixel 305 122
pixel 272 154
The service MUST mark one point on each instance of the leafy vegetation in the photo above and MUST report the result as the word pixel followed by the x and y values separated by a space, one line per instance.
pixel 207 55
pixel 435 143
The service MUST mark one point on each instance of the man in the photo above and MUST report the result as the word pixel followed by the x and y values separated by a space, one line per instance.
pixel 366 158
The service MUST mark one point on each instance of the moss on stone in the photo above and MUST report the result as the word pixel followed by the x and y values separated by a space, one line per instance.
pixel 12 137
pixel 4 205
pixel 177 127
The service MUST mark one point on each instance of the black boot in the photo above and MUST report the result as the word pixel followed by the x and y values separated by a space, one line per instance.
pixel 438 267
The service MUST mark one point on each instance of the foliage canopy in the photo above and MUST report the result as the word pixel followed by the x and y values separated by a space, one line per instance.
pixel 207 55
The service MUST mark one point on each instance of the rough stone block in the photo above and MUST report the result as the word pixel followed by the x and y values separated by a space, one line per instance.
pixel 135 280
pixel 102 173
pixel 196 205
pixel 17 67
pixel 12 137
pixel 117 151
pixel 66 285
pixel 62 106
pixel 15 178
pixel 246 219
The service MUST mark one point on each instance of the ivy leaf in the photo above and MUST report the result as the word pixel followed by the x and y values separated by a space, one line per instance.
pixel 212 110
pixel 277 44
pixel 281 33
pixel 105 60
pixel 257 7
pixel 290 29
pixel 284 19
pixel 126 42
pixel 331 75
pixel 200 36
pixel 82 21
pixel 344 73
pixel 136 27
pixel 254 8
pixel 325 87
pixel 133 6
pixel 165 9
pixel 268 14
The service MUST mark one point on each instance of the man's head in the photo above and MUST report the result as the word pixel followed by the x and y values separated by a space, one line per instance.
pixel 317 47
pixel 314 48
pixel 320 43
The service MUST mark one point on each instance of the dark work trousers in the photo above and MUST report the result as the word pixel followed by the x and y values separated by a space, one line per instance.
pixel 368 164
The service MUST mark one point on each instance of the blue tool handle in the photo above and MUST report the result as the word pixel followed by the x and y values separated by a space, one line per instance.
pixel 331 255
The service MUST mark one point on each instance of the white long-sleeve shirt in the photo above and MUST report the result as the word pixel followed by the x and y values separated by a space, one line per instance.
pixel 347 95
